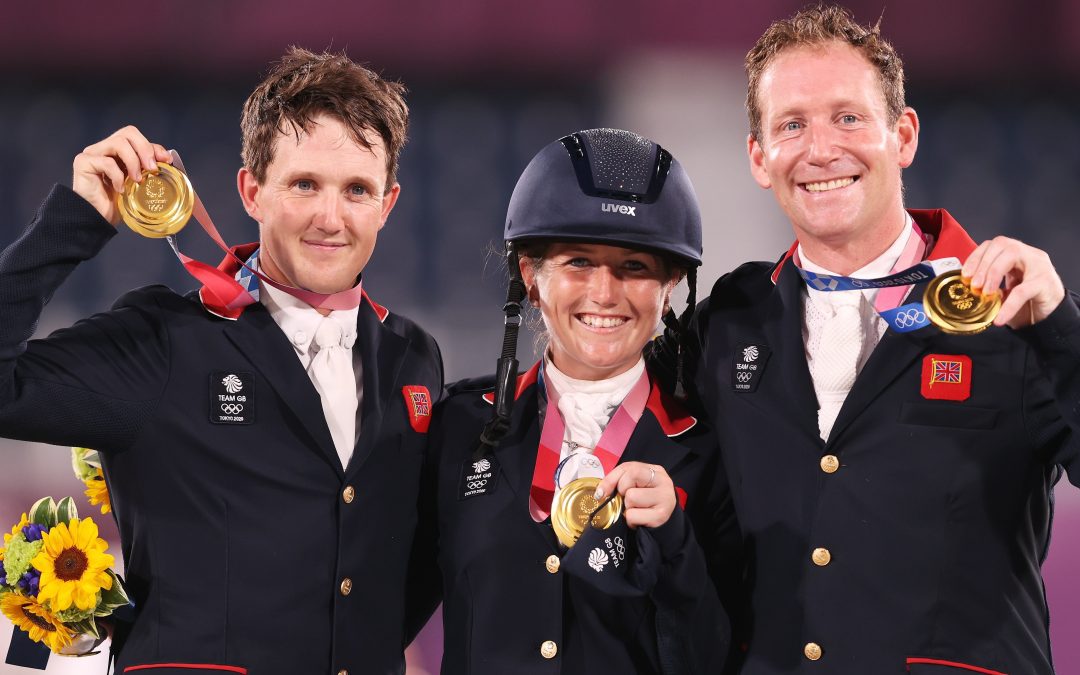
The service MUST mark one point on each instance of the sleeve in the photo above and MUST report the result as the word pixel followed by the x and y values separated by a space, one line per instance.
pixel 424 581
pixel 1052 386
pixel 699 581
pixel 93 384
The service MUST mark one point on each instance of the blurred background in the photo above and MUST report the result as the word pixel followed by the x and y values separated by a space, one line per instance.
pixel 994 82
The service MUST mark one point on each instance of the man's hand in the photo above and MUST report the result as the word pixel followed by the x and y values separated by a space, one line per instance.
pixel 99 170
pixel 647 490
pixel 1033 288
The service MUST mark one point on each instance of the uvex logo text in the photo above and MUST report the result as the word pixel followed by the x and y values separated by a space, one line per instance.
pixel 618 208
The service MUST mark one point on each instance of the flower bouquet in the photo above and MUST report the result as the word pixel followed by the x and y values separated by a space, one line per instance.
pixel 87 466
pixel 55 580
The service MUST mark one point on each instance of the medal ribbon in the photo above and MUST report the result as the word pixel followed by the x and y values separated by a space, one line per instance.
pixel 609 448
pixel 223 290
pixel 903 318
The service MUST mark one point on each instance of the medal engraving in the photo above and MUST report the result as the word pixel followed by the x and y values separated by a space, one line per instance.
pixel 160 205
pixel 955 308
pixel 573 505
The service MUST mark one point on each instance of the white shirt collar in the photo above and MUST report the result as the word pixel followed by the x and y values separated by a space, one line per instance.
pixel 619 385
pixel 878 267
pixel 299 320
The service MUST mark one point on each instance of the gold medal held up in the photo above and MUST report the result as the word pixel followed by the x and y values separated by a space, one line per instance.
pixel 160 205
pixel 571 508
pixel 955 308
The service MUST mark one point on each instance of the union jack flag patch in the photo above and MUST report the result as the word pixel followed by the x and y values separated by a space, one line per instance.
pixel 418 405
pixel 946 377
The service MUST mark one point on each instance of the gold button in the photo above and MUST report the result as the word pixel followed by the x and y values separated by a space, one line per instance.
pixel 548 649
pixel 830 463
pixel 552 563
pixel 812 651
pixel 346 586
pixel 821 557
pixel 348 494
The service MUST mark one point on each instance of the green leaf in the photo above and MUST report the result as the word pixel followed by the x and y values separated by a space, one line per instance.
pixel 116 596
pixel 86 627
pixel 43 512
pixel 66 510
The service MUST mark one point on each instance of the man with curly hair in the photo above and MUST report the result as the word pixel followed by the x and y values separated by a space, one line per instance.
pixel 262 454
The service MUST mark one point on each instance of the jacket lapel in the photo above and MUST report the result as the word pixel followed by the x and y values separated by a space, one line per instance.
pixel 783 328
pixel 895 352
pixel 263 344
pixel 382 353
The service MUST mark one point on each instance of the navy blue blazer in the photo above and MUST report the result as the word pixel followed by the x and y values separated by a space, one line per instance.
pixel 247 547
pixel 911 541
pixel 506 586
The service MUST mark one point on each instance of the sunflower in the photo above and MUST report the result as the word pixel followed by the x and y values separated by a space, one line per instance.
pixel 72 565
pixel 97 492
pixel 36 620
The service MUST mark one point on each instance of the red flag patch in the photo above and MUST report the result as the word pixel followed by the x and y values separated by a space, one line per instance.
pixel 946 377
pixel 418 404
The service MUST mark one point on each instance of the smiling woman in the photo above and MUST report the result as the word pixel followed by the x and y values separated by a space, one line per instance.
pixel 602 226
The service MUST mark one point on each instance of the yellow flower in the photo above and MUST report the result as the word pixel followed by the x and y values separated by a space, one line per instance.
pixel 97 492
pixel 36 620
pixel 23 522
pixel 72 565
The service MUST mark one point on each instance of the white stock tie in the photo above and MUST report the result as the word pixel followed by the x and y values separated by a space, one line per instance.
pixel 331 372
pixel 837 360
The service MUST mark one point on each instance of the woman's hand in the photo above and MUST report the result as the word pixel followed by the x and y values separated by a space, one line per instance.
pixel 647 490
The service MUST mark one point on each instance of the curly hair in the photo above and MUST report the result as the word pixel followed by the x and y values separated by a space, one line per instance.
pixel 304 85
pixel 816 26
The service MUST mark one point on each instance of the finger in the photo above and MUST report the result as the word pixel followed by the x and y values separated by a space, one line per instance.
pixel 610 481
pixel 144 149
pixel 161 154
pixel 1009 260
pixel 974 260
pixel 1016 303
pixel 98 167
pixel 979 277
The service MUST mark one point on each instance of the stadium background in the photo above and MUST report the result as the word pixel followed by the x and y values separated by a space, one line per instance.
pixel 491 82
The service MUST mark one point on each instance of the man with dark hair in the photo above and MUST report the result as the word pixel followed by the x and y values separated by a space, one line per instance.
pixel 262 456
pixel 892 478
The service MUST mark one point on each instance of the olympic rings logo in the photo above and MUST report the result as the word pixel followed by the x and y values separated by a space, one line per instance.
pixel 476 484
pixel 620 547
pixel 911 317
pixel 743 376
pixel 232 408
pixel 859 283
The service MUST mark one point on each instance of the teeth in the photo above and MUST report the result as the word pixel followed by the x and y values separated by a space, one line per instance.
pixel 830 185
pixel 601 321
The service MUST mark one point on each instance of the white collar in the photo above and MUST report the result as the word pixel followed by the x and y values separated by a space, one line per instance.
pixel 299 320
pixel 620 384
pixel 878 267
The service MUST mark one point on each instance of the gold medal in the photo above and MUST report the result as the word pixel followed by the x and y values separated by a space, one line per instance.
pixel 955 308
pixel 572 506
pixel 158 206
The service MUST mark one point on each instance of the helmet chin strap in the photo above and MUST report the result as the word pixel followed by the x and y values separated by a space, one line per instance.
pixel 507 369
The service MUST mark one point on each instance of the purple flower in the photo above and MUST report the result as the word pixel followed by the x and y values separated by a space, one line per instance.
pixel 33 531
pixel 29 582
pixel 3 575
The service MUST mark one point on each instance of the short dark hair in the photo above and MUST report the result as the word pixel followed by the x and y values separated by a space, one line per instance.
pixel 304 85
pixel 816 26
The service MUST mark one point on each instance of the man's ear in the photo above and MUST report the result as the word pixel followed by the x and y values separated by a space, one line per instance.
pixel 389 199
pixel 907 132
pixel 758 170
pixel 249 189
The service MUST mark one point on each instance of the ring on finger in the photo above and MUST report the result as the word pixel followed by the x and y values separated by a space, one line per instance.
pixel 652 476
